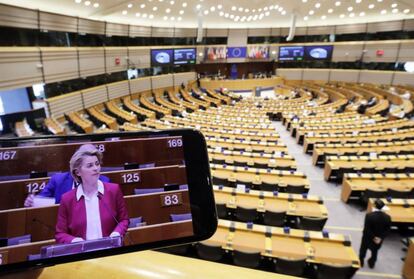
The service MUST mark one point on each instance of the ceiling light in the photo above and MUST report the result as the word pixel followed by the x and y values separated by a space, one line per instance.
pixel 306 17
pixel 137 14
pixel 168 10
pixel 220 7
pixel 323 17
pixel 283 12
pixel 280 9
pixel 221 13
pixel 87 3
pixel 206 12
pixel 351 14
pixel 276 6
pixel 165 17
pixel 231 16
pixel 142 6
pixel 96 5
pixel 406 11
pixel 212 8
pixel 160 0
pixel 236 19
pixel 261 16
pixel 181 12
pixel 330 11
pixel 267 13
pixel 172 18
pixel 394 5
pixel 198 7
pixel 233 8
pixel 379 0
pixel 361 13
pixel 304 1
pixel 172 2
pixel 184 4
pixel 144 15
pixel 226 15
pixel 271 7
pixel 265 8
pixel 350 9
pixel 311 12
pixel 342 16
pixel 179 18
pixel 338 3
pixel 154 8
pixel 246 10
pixel 124 12
pixel 318 5
pixel 371 6
pixel 78 1
pixel 358 1
pixel 240 9
pixel 383 12
pixel 151 16
pixel 394 11
pixel 255 17
pixel 130 5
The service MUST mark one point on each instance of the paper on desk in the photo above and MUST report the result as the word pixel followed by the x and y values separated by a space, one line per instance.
pixel 39 201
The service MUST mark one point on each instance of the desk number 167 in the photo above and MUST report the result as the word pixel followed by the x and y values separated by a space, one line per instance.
pixel 7 155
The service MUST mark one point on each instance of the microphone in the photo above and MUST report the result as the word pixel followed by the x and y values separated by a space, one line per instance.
pixel 99 195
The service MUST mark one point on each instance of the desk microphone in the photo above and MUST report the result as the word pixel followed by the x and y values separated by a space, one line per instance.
pixel 99 195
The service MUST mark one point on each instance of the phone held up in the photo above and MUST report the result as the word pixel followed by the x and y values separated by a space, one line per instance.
pixel 70 198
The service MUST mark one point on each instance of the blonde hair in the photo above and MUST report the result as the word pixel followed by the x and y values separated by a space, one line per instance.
pixel 77 159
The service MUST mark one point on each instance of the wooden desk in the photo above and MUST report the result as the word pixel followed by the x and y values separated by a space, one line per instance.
pixel 268 147
pixel 293 204
pixel 272 242
pixel 408 268
pixel 401 211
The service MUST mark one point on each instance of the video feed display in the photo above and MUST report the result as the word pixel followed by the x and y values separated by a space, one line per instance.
pixel 215 53
pixel 162 57
pixel 64 197
pixel 183 56
pixel 291 53
pixel 318 52
pixel 258 52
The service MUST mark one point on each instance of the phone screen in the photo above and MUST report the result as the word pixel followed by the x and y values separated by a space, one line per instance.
pixel 68 198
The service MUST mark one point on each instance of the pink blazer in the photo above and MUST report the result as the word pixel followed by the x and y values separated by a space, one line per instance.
pixel 71 220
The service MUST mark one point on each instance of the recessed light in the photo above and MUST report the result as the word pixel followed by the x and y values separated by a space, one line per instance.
pixel 165 17
pixel 394 5
pixel 323 17
pixel 179 18
pixel 231 16
pixel 304 1
pixel 265 8
pixel 78 1
pixel 406 11
pixel 394 11
pixel 233 8
pixel 371 6
pixel 338 3
pixel 236 19
pixel 351 14
pixel 330 11
pixel 276 6
pixel 124 12
pixel 184 4
pixel 255 17
pixel 306 17
pixel 383 12
pixel 137 14
pixel 280 9
pixel 240 9
pixel 267 13
pixel 212 8
pixel 87 3
pixel 311 12
pixel 221 13
pixel 358 1
pixel 206 12
pixel 220 7
pixel 168 10
pixel 350 9
pixel 342 16
pixel 318 5
pixel 261 16
pixel 379 0
pixel 144 15
pixel 96 5
pixel 142 6
pixel 271 7
pixel 246 10
pixel 198 7
pixel 361 13
pixel 226 15
pixel 172 18
pixel 181 12
pixel 283 12
pixel 154 8
pixel 172 2
pixel 130 5
pixel 151 16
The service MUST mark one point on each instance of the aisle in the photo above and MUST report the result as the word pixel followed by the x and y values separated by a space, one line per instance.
pixel 344 218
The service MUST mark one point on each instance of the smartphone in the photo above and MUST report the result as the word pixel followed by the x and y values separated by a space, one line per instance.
pixel 163 196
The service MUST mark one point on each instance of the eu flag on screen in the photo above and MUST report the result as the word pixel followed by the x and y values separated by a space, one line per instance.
pixel 236 52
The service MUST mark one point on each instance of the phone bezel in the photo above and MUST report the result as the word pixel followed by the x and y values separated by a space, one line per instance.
pixel 199 185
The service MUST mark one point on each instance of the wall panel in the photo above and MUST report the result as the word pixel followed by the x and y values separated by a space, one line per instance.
pixel 347 52
pixel 290 74
pixel 57 22
pixel 139 31
pixel 390 52
pixel 259 32
pixel 114 53
pixel 95 95
pixel 59 63
pixel 139 57
pixel 217 32
pixel 118 89
pixel 114 29
pixel 385 26
pixel 237 37
pixel 351 28
pixel 162 32
pixel 321 30
pixel 19 67
pixel 162 81
pixel 140 84
pixel 406 51
pixel 344 75
pixel 402 78
pixel 18 17
pixel 91 61
pixel 184 78
pixel 185 32
pixel 316 74
pixel 60 105
pixel 376 77
pixel 87 26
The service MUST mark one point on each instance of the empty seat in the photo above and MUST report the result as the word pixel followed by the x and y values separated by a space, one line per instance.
pixel 312 223
pixel 289 266
pixel 370 194
pixel 210 252
pixel 330 271
pixel 399 194
pixel 246 214
pixel 295 189
pixel 221 210
pixel 246 259
pixel 268 187
pixel 274 218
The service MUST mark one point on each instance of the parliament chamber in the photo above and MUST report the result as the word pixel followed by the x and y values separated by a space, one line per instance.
pixel 304 134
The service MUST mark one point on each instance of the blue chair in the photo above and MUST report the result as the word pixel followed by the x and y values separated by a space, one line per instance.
pixel 180 217
pixel 135 222
pixel 144 191
pixel 19 240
